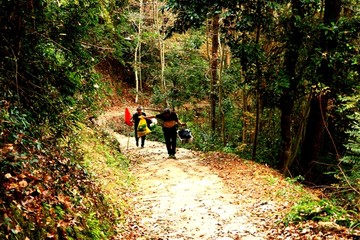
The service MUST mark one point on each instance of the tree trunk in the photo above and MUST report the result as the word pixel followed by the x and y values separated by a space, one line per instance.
pixel 314 131
pixel 161 36
pixel 136 73
pixel 244 113
pixel 208 33
pixel 140 40
pixel 318 111
pixel 300 132
pixel 214 74
pixel 257 123
pixel 221 109
pixel 287 99
pixel 286 107
pixel 257 90
pixel 137 59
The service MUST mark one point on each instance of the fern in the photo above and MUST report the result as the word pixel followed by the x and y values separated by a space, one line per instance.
pixel 349 167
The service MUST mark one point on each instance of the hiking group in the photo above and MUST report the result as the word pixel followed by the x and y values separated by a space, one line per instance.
pixel 170 123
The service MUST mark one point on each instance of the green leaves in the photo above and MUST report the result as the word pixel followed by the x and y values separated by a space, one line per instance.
pixel 322 210
pixel 349 166
pixel 53 54
pixel 48 51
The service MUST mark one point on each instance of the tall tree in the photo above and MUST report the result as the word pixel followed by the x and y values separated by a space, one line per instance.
pixel 317 120
pixel 160 23
pixel 258 80
pixel 137 59
pixel 287 99
pixel 193 14
pixel 214 70
pixel 246 27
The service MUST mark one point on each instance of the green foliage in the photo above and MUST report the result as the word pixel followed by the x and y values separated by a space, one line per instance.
pixel 13 122
pixel 320 210
pixel 233 123
pixel 48 58
pixel 349 172
pixel 344 208
pixel 102 144
pixel 195 41
pixel 156 134
pixel 184 73
pixel 205 139
pixel 269 138
pixel 232 80
pixel 192 14
pixel 49 50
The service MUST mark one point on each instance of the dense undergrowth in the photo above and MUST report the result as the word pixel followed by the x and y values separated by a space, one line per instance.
pixel 49 51
pixel 46 190
pixel 110 170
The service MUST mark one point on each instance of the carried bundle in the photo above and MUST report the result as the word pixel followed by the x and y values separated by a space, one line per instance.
pixel 142 128
pixel 185 135
pixel 152 123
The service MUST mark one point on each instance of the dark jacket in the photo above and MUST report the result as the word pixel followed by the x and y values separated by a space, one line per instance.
pixel 169 119
pixel 136 119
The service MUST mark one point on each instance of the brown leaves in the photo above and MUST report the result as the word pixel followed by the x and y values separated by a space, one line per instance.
pixel 41 190
pixel 8 148
pixel 14 183
pixel 23 184
pixel 17 229
pixel 270 197
pixel 65 201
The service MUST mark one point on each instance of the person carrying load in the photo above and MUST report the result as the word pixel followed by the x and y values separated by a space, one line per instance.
pixel 140 128
pixel 170 123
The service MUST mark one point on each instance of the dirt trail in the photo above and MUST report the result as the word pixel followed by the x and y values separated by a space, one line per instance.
pixel 210 196
pixel 182 198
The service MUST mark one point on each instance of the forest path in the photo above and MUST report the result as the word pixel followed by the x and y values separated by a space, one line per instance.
pixel 182 199
pixel 203 195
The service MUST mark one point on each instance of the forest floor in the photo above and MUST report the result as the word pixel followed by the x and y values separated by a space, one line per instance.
pixel 209 195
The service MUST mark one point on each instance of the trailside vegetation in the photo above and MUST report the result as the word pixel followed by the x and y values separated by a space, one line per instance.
pixel 273 89
pixel 48 54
